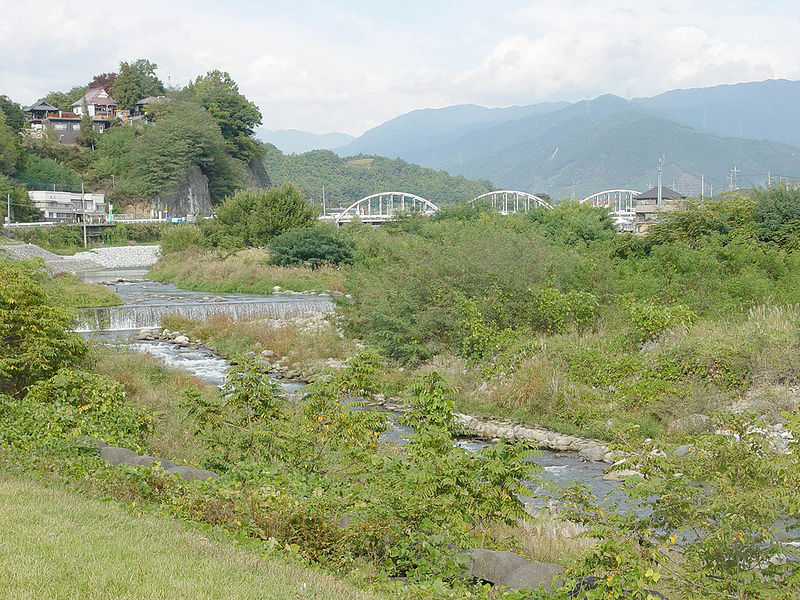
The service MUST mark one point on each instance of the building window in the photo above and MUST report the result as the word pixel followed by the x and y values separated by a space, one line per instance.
pixel 101 129
pixel 60 126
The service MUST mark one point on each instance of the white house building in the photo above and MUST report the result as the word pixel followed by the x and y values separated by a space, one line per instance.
pixel 69 207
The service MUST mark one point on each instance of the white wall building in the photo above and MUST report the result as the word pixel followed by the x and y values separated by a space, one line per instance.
pixel 69 206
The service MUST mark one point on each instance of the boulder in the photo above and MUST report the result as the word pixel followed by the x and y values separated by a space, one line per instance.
pixel 682 451
pixel 181 339
pixel 117 456
pixel 192 474
pixel 509 569
pixel 593 453
pixel 694 423
pixel 147 461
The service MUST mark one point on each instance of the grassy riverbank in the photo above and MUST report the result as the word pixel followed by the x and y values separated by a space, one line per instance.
pixel 243 271
pixel 58 544
pixel 71 292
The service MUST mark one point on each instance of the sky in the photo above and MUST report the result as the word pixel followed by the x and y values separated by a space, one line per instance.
pixel 349 66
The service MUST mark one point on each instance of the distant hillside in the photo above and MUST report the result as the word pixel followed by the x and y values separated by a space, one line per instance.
pixel 757 110
pixel 349 179
pixel 586 146
pixel 403 135
pixel 294 141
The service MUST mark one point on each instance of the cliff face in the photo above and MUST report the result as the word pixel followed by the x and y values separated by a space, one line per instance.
pixel 257 176
pixel 190 197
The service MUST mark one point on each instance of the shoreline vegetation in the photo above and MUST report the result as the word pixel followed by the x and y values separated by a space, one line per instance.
pixel 680 347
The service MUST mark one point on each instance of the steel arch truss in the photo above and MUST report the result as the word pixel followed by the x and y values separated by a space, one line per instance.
pixel 381 207
pixel 620 202
pixel 513 201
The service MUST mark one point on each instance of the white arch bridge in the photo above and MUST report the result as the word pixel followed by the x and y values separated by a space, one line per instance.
pixel 513 201
pixel 620 202
pixel 384 206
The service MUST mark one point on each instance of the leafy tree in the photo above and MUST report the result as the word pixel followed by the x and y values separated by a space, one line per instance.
pixel 313 246
pixel 12 156
pixel 255 217
pixel 63 100
pixel 15 118
pixel 778 214
pixel 35 336
pixel 236 116
pixel 103 80
pixel 88 135
pixel 47 170
pixel 136 80
pixel 22 209
pixel 573 223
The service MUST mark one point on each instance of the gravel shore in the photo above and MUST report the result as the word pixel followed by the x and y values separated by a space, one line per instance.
pixel 120 257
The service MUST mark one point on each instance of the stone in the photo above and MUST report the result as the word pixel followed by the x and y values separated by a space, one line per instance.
pixel 593 453
pixel 512 570
pixel 621 474
pixel 682 450
pixel 192 474
pixel 181 339
pixel 694 423
pixel 147 461
pixel 117 456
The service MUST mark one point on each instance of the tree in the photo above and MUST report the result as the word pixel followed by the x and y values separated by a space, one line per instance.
pixel 136 80
pixel 236 116
pixel 63 100
pixel 35 336
pixel 103 80
pixel 12 156
pixel 254 217
pixel 778 214
pixel 88 135
pixel 22 209
pixel 314 246
pixel 15 118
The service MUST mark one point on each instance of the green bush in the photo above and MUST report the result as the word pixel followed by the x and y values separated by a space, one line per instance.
pixel 649 319
pixel 313 247
pixel 255 217
pixel 179 238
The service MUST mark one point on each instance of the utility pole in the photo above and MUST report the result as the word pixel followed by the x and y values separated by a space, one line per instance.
pixel 660 166
pixel 323 199
pixel 702 185
pixel 83 210
pixel 769 178
pixel 8 214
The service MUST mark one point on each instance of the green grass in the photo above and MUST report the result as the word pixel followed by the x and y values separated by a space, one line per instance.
pixel 244 271
pixel 71 292
pixel 57 544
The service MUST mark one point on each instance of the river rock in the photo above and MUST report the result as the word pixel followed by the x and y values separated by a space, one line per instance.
pixel 117 456
pixel 182 340
pixel 192 474
pixel 694 423
pixel 147 461
pixel 593 453
pixel 621 474
pixel 509 569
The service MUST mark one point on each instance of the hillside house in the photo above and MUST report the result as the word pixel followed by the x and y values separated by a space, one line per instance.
pixel 69 207
pixel 98 103
pixel 648 206
pixel 40 110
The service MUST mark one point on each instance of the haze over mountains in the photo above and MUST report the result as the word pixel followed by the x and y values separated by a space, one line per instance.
pixel 576 149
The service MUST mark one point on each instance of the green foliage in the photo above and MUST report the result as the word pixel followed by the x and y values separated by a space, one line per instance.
pixel 573 223
pixel 63 100
pixel 248 389
pixel 49 171
pixel 313 246
pixel 22 209
pixel 12 157
pixel 649 319
pixel 352 178
pixel 778 214
pixel 35 340
pixel 136 80
pixel 255 217
pixel 236 116
pixel 14 116
pixel 88 136
pixel 179 238
pixel 71 403
pixel 700 222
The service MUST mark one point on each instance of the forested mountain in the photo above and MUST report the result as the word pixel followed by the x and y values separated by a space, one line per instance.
pixel 606 142
pixel 349 179
pixel 758 110
pixel 294 141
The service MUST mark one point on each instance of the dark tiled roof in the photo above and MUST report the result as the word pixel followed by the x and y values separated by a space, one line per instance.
pixel 652 194
pixel 40 104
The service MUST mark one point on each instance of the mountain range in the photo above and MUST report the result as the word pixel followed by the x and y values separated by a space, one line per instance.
pixel 709 138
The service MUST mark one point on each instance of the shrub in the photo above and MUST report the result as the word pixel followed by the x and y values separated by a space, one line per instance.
pixel 313 247
pixel 649 319
pixel 180 237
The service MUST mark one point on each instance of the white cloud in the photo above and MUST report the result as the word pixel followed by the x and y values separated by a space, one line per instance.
pixel 324 66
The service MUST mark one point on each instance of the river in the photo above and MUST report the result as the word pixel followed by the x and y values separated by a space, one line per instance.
pixel 146 301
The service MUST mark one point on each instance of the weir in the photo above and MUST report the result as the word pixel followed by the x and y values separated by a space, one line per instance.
pixel 128 317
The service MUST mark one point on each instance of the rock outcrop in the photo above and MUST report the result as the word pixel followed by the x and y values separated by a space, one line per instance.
pixel 257 176
pixel 509 569
pixel 188 198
